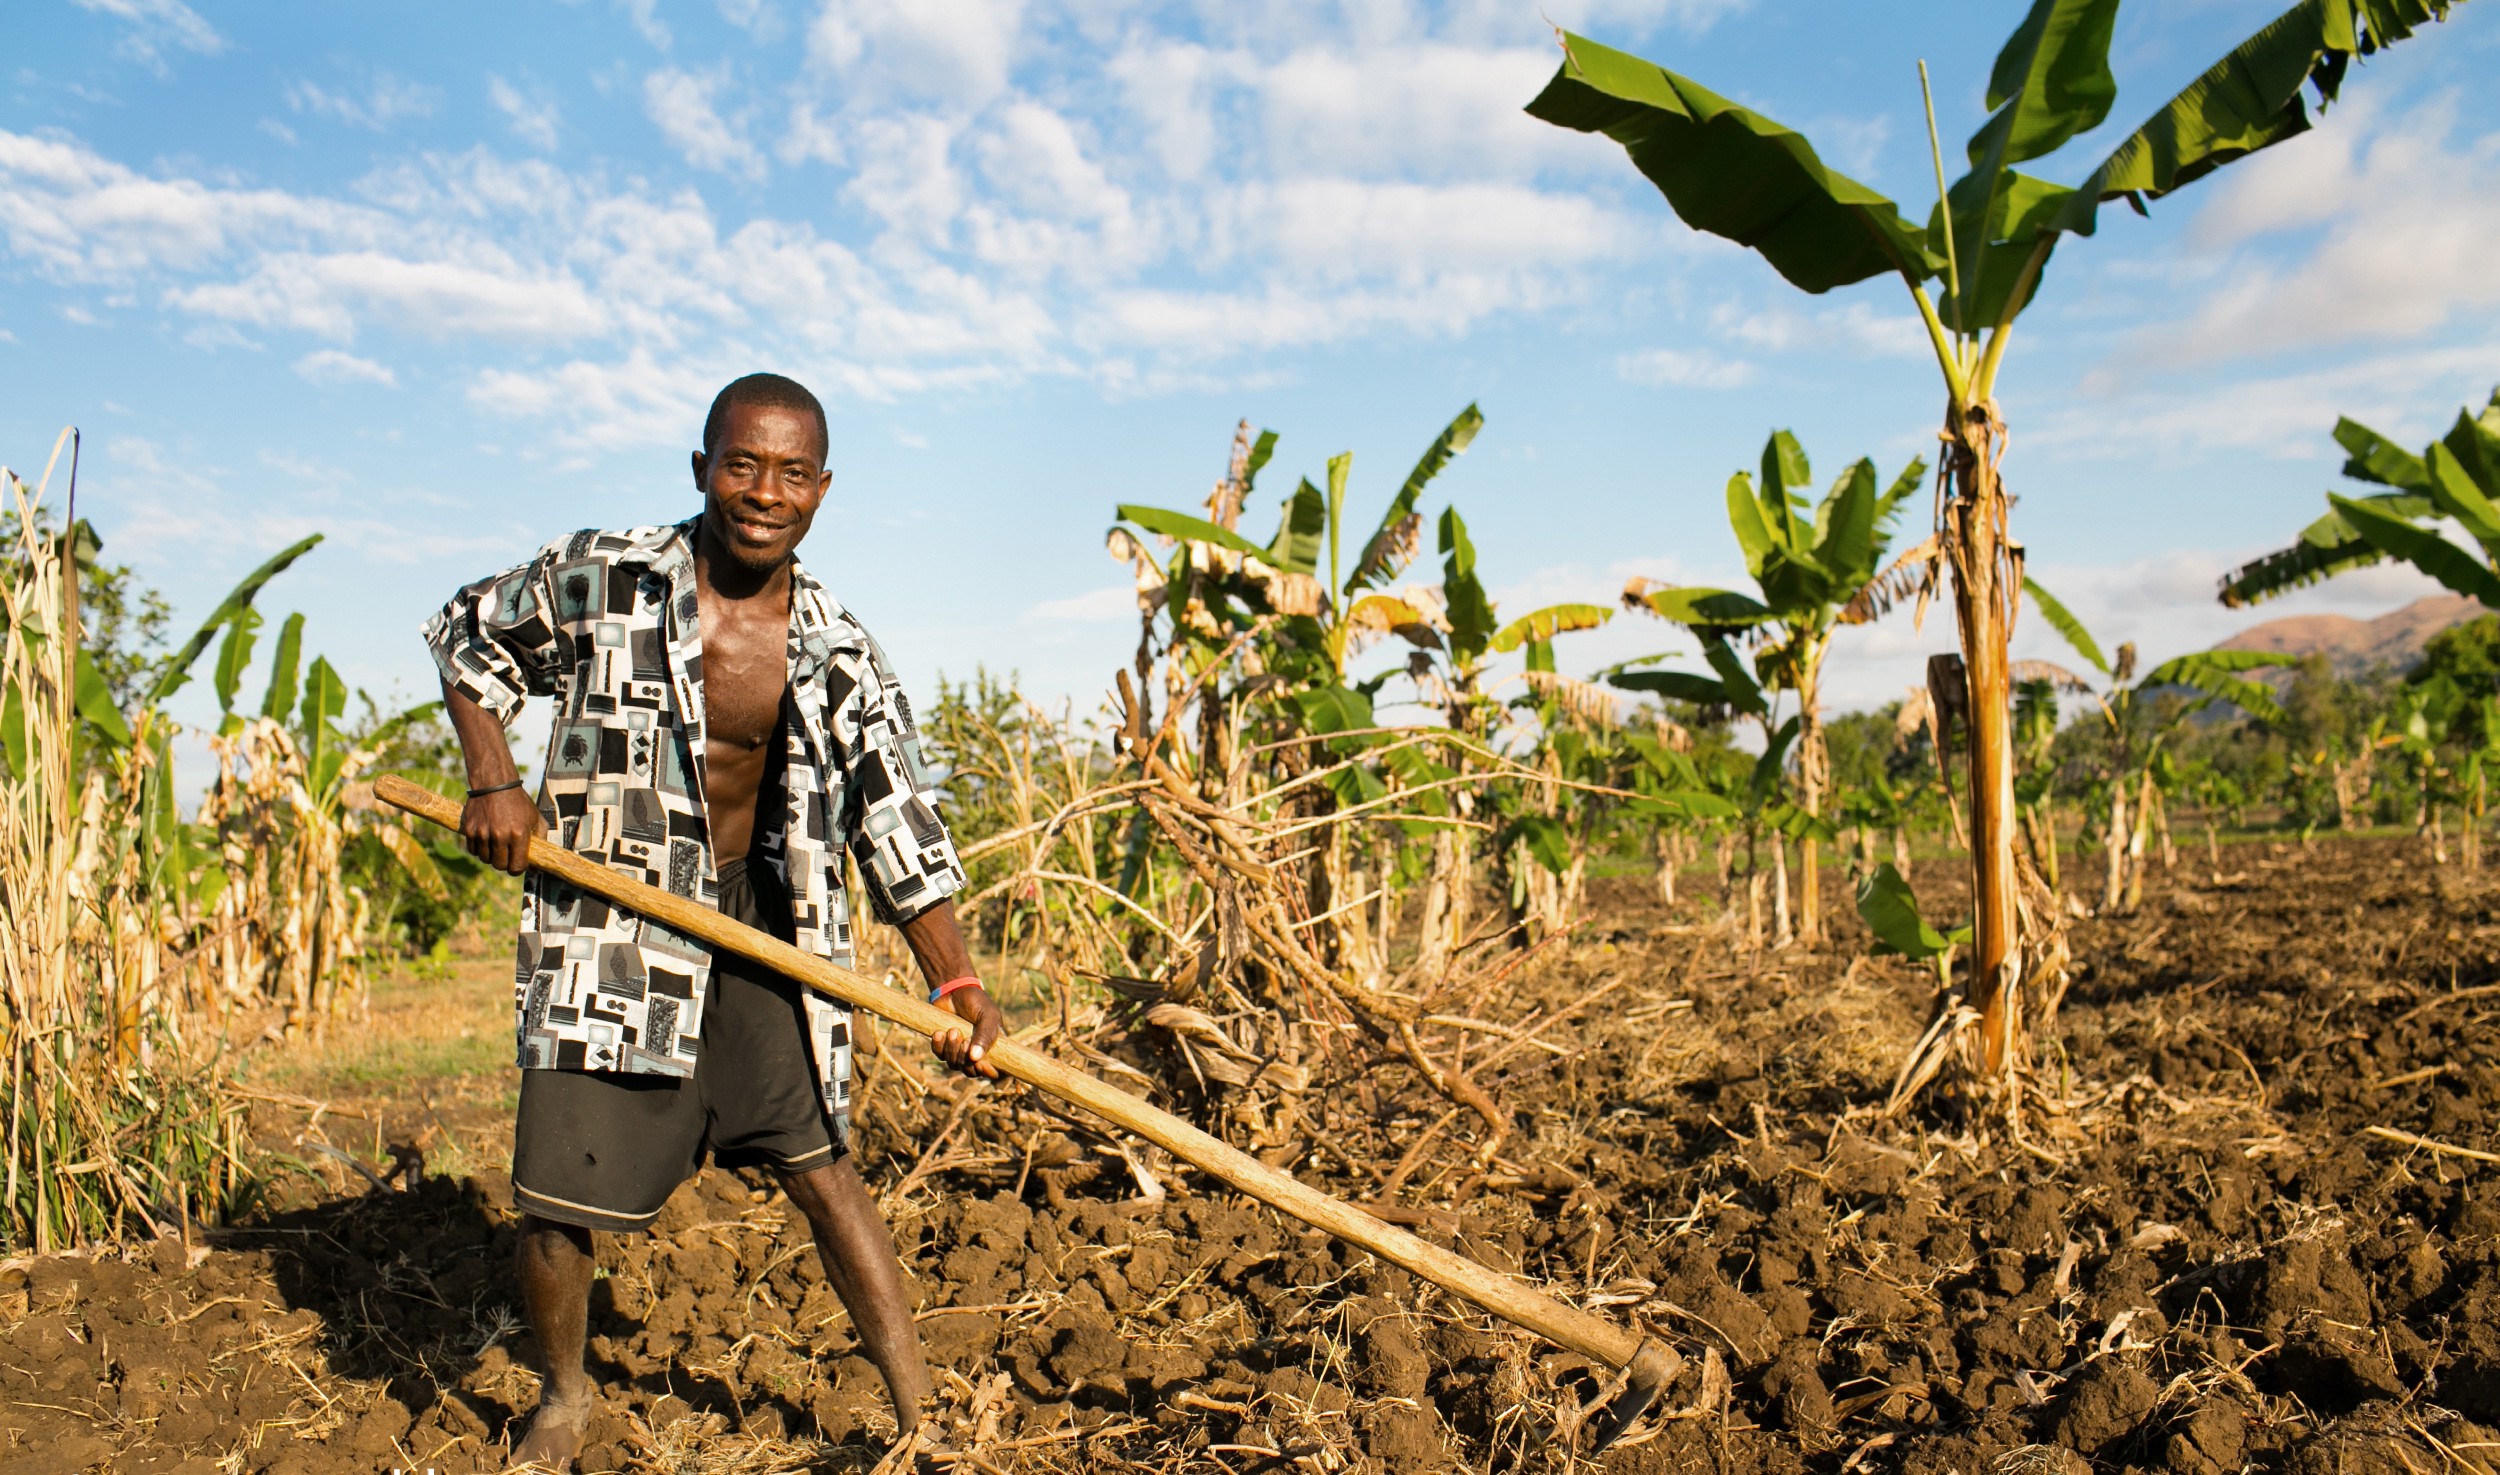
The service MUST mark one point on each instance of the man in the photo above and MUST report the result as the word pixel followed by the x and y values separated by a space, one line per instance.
pixel 724 729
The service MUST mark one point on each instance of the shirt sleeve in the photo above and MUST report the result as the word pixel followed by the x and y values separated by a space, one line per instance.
pixel 496 641
pixel 906 858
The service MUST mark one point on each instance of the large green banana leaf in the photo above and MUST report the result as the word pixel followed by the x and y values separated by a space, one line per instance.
pixel 1733 172
pixel 2051 81
pixel 1721 609
pixel 2248 100
pixel 1787 479
pixel 1462 593
pixel 2457 477
pixel 1683 686
pixel 1541 626
pixel 238 599
pixel 1890 911
pixel 325 751
pixel 1187 528
pixel 2216 673
pixel 284 663
pixel 2422 547
pixel 2453 491
pixel 234 656
pixel 1298 532
pixel 2372 457
pixel 95 703
pixel 1845 540
pixel 2063 621
pixel 1380 562
pixel 2475 442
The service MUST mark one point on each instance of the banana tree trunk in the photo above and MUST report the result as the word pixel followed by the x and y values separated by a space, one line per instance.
pixel 2113 886
pixel 1812 769
pixel 1985 587
pixel 1782 933
pixel 2159 808
pixel 2135 844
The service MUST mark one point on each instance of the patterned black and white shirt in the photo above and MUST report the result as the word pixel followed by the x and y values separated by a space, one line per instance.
pixel 606 623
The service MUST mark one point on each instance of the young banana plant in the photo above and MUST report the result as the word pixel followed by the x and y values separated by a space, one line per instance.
pixel 2138 727
pixel 2455 478
pixel 1734 172
pixel 1814 564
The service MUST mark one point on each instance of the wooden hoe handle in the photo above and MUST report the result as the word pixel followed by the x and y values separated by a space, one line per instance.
pixel 1567 1326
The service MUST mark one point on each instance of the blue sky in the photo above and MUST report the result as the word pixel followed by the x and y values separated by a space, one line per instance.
pixel 446 281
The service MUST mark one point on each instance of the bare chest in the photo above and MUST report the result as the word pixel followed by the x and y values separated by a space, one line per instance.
pixel 746 665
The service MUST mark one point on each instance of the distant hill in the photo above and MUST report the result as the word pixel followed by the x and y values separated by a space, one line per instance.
pixel 2355 647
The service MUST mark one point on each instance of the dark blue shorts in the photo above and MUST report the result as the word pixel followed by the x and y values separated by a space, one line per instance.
pixel 605 1149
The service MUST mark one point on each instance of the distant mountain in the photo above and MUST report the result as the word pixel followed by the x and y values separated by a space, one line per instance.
pixel 2355 647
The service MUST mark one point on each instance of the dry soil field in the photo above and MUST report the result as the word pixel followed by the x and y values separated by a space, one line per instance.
pixel 2205 1264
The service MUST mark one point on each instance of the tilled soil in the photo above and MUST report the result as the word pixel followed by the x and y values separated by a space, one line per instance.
pixel 2202 1263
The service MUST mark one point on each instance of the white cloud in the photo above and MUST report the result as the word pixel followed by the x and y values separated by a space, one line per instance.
pixel 1095 606
pixel 680 103
pixel 154 26
pixel 1345 228
pixel 1442 110
pixel 758 18
pixel 325 294
pixel 1858 328
pixel 645 15
pixel 2410 393
pixel 84 218
pixel 958 51
pixel 906 176
pixel 335 366
pixel 1684 369
pixel 533 120
pixel 385 100
pixel 2404 216
pixel 1168 89
pixel 1034 159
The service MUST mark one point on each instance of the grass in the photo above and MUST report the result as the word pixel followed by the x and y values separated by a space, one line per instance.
pixel 446 1020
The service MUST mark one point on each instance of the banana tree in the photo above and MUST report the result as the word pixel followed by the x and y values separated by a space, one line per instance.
pixel 2138 726
pixel 2455 478
pixel 1676 799
pixel 1219 584
pixel 1736 173
pixel 2474 782
pixel 1758 788
pixel 2425 715
pixel 1813 565
pixel 2035 768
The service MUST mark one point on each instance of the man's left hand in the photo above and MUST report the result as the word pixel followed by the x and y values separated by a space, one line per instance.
pixel 969 1050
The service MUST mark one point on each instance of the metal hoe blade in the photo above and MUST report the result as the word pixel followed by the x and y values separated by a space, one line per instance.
pixel 1631 1393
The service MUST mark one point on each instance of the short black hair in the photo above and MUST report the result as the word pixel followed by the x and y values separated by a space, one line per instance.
pixel 766 389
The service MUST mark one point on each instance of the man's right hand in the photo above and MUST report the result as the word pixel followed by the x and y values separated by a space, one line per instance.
pixel 498 828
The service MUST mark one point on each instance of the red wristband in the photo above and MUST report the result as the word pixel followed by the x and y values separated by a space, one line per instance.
pixel 938 995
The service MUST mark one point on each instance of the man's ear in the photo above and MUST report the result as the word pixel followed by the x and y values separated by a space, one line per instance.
pixel 697 458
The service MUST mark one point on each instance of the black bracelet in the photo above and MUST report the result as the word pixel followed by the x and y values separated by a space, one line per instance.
pixel 497 789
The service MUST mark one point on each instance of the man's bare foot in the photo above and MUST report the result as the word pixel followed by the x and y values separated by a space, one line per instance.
pixel 555 1435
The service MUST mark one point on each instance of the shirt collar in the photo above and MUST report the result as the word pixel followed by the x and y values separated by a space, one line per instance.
pixel 819 626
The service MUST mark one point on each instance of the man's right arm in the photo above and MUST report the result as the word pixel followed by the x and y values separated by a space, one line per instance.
pixel 496 828
pixel 496 646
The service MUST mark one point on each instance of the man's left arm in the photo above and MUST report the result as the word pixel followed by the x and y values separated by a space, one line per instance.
pixel 938 945
pixel 907 859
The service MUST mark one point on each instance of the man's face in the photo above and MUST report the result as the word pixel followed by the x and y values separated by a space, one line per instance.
pixel 762 484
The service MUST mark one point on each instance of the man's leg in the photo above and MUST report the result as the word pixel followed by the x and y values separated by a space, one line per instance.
pixel 555 1266
pixel 858 1255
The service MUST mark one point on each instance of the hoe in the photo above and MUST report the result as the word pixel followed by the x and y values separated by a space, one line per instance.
pixel 1644 1367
